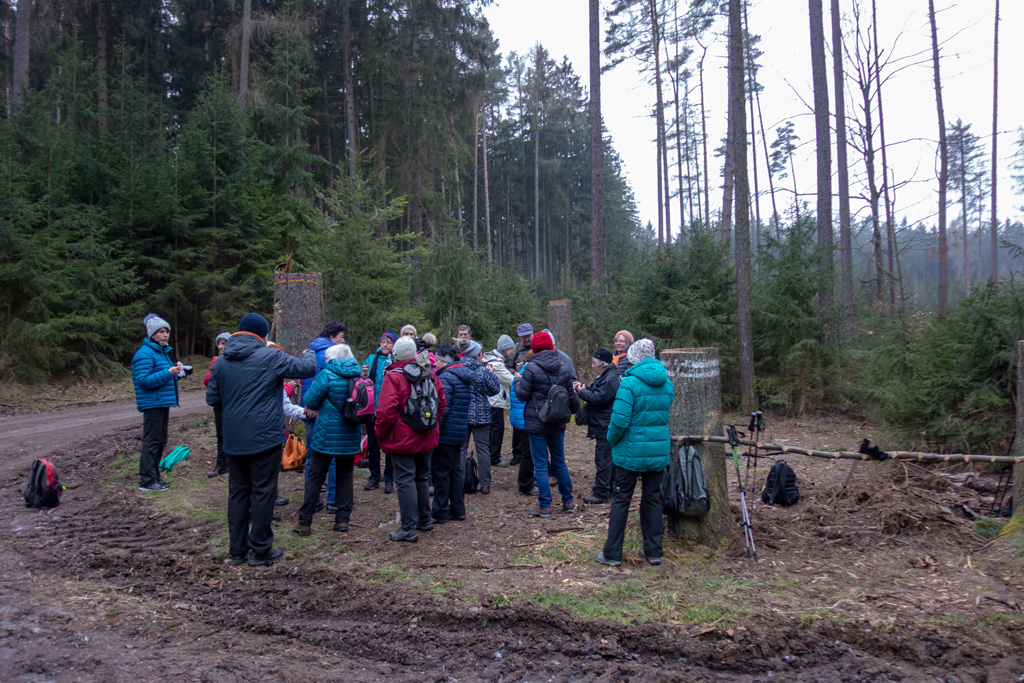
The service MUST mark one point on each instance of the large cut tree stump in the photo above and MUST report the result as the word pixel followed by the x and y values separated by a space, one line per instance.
pixel 560 324
pixel 697 409
pixel 298 310
pixel 1018 441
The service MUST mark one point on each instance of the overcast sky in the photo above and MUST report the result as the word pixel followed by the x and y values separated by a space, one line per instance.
pixel 911 119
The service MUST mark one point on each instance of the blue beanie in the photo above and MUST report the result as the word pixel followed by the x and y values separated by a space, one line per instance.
pixel 390 335
pixel 254 323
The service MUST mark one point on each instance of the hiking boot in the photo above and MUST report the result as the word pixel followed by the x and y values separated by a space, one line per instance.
pixel 302 530
pixel 441 521
pixel 371 485
pixel 540 511
pixel 568 508
pixel 429 526
pixel 486 490
pixel 319 506
pixel 217 471
pixel 275 518
pixel 331 507
pixel 267 559
pixel 406 536
pixel 595 500
pixel 531 492
pixel 159 486
pixel 514 461
pixel 281 500
pixel 653 561
pixel 389 487
pixel 499 463
pixel 459 518
pixel 237 560
pixel 604 560
pixel 340 527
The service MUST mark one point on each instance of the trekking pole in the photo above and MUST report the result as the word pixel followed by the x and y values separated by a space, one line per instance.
pixel 748 530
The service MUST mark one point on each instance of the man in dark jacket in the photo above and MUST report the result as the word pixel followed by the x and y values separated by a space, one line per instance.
pixel 446 464
pixel 600 396
pixel 247 382
pixel 544 371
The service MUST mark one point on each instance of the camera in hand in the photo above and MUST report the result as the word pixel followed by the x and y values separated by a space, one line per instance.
pixel 186 370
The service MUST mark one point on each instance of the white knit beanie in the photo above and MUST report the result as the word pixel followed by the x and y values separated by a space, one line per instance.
pixel 154 324
pixel 639 350
pixel 405 349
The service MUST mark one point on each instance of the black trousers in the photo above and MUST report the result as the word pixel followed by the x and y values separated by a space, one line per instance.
pixel 218 422
pixel 154 440
pixel 603 462
pixel 651 522
pixel 319 463
pixel 448 472
pixel 252 489
pixel 373 456
pixel 497 436
pixel 521 450
pixel 413 489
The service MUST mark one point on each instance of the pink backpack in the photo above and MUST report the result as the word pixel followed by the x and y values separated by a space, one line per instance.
pixel 360 405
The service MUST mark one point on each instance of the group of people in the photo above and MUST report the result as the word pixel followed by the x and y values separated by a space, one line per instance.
pixel 429 401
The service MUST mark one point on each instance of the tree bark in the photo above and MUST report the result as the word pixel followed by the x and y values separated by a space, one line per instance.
pixel 22 31
pixel 943 165
pixel 729 165
pixel 890 211
pixel 101 62
pixel 994 266
pixel 298 310
pixel 704 143
pixel 845 226
pixel 823 143
pixel 596 162
pixel 560 324
pixel 697 409
pixel 1018 442
pixel 350 91
pixel 476 175
pixel 536 192
pixel 737 96
pixel 487 195
pixel 243 68
pixel 663 206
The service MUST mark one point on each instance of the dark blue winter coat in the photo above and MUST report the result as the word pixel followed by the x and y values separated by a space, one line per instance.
pixel 457 381
pixel 544 370
pixel 320 346
pixel 247 381
pixel 600 396
pixel 377 374
pixel 154 386
pixel 484 384
pixel 333 434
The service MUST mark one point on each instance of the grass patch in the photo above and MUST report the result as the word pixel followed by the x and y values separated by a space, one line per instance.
pixel 987 527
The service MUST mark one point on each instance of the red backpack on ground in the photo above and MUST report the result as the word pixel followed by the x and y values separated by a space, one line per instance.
pixel 44 488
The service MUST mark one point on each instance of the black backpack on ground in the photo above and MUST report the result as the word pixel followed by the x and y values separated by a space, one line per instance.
pixel 555 409
pixel 471 478
pixel 684 490
pixel 421 408
pixel 44 488
pixel 780 488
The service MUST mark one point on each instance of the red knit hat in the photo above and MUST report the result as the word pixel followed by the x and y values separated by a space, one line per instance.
pixel 542 342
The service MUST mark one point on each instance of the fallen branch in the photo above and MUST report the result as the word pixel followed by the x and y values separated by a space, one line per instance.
pixel 565 528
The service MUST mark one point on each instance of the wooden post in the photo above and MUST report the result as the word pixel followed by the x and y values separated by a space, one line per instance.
pixel 697 409
pixel 1018 440
pixel 298 310
pixel 560 324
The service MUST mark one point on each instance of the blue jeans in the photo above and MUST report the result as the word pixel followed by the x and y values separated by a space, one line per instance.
pixel 540 445
pixel 310 424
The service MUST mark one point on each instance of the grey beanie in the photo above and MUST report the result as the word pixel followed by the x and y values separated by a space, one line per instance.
pixel 405 349
pixel 223 335
pixel 154 324
pixel 505 343
pixel 473 348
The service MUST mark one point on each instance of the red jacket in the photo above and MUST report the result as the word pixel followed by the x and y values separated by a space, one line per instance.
pixel 206 380
pixel 393 434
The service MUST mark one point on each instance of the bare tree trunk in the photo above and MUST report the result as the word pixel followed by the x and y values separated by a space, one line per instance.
pixel 963 211
pixel 596 161
pixel 665 237
pixel 487 194
pixel 767 163
pixel 704 143
pixel 729 166
pixel 994 273
pixel 536 195
pixel 22 30
pixel 243 69
pixel 458 206
pixel 845 228
pixel 350 90
pixel 298 310
pixel 943 165
pixel 822 134
pixel 890 211
pixel 752 86
pixel 738 134
pixel 101 62
pixel 476 174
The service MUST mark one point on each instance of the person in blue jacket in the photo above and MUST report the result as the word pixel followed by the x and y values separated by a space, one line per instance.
pixel 374 367
pixel 335 440
pixel 447 466
pixel 156 392
pixel 333 333
pixel 520 439
pixel 641 445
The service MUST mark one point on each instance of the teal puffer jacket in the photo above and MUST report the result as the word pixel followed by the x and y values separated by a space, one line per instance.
pixel 333 434
pixel 154 386
pixel 638 429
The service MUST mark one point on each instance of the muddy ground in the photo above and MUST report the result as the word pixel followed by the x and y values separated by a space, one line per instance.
pixel 897 584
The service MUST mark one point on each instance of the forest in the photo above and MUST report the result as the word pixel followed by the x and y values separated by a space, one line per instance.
pixel 169 155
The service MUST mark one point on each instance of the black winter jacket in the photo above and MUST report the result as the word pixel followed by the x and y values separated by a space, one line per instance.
pixel 247 382
pixel 544 370
pixel 600 396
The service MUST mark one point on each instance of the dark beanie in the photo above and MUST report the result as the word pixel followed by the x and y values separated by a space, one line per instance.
pixel 603 354
pixel 254 323
pixel 542 342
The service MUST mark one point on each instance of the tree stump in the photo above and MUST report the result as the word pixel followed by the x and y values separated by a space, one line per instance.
pixel 697 409
pixel 298 310
pixel 1018 441
pixel 560 324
